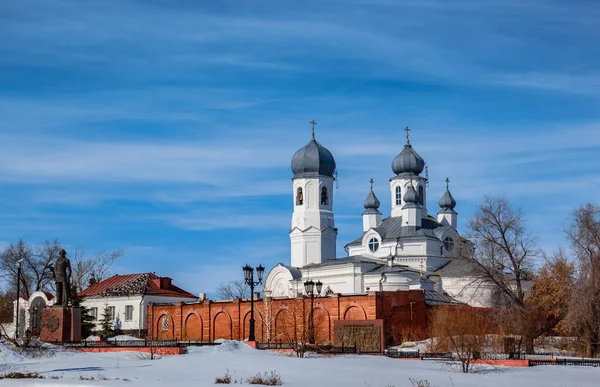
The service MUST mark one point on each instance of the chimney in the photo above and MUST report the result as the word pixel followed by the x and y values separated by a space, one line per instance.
pixel 163 282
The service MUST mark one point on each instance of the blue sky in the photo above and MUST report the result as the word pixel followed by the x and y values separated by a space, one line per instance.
pixel 166 128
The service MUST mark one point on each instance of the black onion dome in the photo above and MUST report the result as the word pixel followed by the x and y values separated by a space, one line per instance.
pixel 371 202
pixel 411 195
pixel 408 161
pixel 313 160
pixel 447 201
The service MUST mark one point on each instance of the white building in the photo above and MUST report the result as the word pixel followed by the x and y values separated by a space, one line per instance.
pixel 127 298
pixel 407 250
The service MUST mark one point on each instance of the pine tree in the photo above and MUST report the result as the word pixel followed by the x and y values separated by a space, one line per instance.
pixel 106 324
pixel 87 320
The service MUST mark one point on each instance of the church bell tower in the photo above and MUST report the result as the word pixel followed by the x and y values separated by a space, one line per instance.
pixel 408 166
pixel 313 234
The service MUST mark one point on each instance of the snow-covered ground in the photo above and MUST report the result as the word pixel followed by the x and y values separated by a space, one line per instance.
pixel 201 365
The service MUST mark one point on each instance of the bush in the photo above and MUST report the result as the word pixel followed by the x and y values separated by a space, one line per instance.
pixel 225 379
pixel 419 382
pixel 21 375
pixel 267 379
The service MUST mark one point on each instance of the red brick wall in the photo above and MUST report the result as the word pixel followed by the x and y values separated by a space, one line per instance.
pixel 280 320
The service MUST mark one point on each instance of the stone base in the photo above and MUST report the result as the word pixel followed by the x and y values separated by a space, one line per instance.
pixel 61 325
pixel 367 335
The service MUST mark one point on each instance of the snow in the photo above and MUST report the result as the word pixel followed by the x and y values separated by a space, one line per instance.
pixel 201 365
pixel 124 338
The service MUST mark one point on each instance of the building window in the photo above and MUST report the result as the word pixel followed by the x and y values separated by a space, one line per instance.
pixel 94 313
pixel 421 194
pixel 398 196
pixel 299 197
pixel 129 313
pixel 165 323
pixel 449 244
pixel 373 244
pixel 324 196
pixel 111 312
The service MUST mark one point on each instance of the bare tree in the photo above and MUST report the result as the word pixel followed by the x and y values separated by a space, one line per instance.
pixel 584 312
pixel 461 331
pixel 87 270
pixel 503 255
pixel 36 265
pixel 233 289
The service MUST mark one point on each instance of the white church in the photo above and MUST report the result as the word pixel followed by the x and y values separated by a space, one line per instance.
pixel 407 250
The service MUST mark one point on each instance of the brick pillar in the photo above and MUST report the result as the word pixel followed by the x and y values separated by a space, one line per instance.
pixel 236 323
pixel 209 322
pixel 178 331
pixel 150 322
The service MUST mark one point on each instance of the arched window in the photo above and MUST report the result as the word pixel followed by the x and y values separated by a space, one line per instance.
pixel 398 195
pixel 449 244
pixel 373 244
pixel 420 194
pixel 299 197
pixel 324 196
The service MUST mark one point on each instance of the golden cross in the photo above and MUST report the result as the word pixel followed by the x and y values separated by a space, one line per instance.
pixel 407 130
pixel 447 182
pixel 313 122
pixel 371 181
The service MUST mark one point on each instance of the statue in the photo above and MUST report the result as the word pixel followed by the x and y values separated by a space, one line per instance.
pixel 62 278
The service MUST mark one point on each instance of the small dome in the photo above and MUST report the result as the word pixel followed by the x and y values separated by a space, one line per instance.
pixel 411 195
pixel 408 161
pixel 312 160
pixel 371 202
pixel 447 201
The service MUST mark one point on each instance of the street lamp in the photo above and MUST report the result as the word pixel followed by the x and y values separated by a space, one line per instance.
pixel 18 296
pixel 309 290
pixel 249 279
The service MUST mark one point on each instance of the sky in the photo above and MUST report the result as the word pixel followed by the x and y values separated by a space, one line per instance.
pixel 166 128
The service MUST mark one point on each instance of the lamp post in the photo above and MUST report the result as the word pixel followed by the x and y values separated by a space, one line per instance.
pixel 249 279
pixel 18 297
pixel 309 290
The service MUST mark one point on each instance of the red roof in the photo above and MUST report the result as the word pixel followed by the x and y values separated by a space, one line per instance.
pixel 135 285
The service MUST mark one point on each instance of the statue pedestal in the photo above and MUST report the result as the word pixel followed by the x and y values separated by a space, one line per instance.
pixel 60 324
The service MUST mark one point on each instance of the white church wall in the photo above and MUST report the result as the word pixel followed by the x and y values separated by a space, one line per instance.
pixel 469 290
pixel 386 282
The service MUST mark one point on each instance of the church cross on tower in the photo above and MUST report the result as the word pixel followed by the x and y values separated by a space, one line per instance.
pixel 371 181
pixel 447 183
pixel 407 130
pixel 313 122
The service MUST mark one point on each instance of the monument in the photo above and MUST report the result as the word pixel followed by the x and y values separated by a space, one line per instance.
pixel 61 323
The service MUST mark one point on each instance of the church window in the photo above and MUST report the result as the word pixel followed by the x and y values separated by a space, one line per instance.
pixel 449 244
pixel 373 244
pixel 324 196
pixel 421 194
pixel 398 196
pixel 299 197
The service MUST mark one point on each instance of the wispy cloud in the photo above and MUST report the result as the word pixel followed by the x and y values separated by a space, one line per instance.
pixel 174 129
